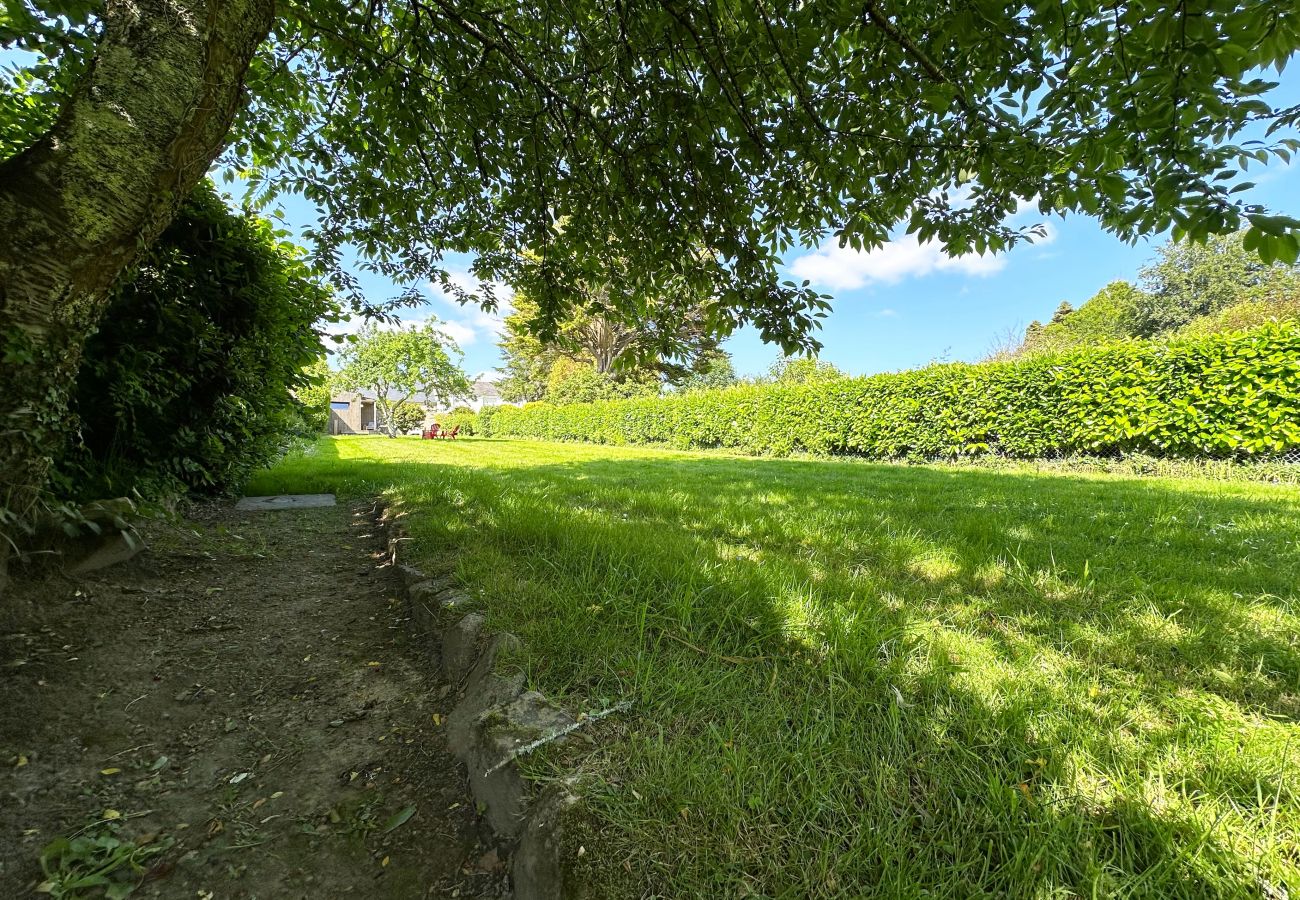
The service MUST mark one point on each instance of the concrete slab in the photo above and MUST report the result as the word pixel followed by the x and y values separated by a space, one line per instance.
pixel 109 551
pixel 286 501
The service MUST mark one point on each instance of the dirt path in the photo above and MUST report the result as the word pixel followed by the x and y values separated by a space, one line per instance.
pixel 240 708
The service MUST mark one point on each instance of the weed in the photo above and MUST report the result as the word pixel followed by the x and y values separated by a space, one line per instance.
pixel 94 860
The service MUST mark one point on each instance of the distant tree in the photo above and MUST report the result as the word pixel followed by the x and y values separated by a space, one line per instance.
pixel 1190 280
pixel 526 366
pixel 803 370
pixel 579 382
pixel 527 359
pixel 396 365
pixel 670 343
pixel 1189 288
pixel 1107 316
pixel 1062 312
pixel 670 339
pixel 715 371
pixel 1246 314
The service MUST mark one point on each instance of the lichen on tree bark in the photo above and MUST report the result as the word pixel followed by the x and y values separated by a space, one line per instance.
pixel 138 132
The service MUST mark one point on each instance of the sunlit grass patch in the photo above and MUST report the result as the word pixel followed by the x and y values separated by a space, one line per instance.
pixel 852 679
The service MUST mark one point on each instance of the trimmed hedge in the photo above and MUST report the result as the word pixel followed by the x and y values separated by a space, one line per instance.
pixel 465 418
pixel 1227 395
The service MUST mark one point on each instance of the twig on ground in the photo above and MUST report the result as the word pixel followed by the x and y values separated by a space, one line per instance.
pixel 556 734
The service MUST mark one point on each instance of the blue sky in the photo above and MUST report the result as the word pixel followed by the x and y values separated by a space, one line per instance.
pixel 903 305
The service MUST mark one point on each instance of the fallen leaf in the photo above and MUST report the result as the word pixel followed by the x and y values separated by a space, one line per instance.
pixel 384 862
pixel 113 771
pixel 399 819
pixel 20 761
pixel 111 814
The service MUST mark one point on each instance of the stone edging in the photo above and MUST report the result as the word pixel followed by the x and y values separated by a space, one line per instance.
pixel 493 723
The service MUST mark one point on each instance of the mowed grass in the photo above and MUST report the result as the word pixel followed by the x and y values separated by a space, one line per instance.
pixel 856 680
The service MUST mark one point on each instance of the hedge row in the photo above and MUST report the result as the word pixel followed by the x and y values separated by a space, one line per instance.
pixel 464 419
pixel 1235 394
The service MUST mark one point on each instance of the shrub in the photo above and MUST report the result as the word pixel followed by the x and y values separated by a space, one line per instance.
pixel 188 383
pixel 1225 395
pixel 408 417
pixel 462 416
pixel 314 395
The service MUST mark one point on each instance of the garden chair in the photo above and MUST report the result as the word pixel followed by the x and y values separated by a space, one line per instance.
pixel 430 432
pixel 451 435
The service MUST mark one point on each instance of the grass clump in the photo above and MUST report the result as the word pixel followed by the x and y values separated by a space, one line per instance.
pixel 854 679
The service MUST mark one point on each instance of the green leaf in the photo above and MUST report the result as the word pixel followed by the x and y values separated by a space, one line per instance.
pixel 400 818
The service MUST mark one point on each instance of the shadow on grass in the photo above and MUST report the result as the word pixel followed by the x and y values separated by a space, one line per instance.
pixel 899 676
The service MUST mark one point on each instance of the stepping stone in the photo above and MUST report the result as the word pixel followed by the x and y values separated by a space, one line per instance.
pixel 286 501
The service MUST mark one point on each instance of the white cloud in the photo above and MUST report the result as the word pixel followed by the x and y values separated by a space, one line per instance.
pixel 844 269
pixel 468 324
pixel 462 334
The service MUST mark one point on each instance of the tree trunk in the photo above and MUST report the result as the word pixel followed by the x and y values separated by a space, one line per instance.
pixel 135 137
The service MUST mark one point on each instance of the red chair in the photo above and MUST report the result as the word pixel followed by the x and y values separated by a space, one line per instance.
pixel 430 432
pixel 451 435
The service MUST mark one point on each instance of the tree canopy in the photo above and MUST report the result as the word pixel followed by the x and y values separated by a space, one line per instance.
pixel 652 131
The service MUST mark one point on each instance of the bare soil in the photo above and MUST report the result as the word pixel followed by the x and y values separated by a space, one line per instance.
pixel 243 705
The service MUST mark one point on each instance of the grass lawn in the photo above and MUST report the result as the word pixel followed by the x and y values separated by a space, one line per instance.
pixel 900 681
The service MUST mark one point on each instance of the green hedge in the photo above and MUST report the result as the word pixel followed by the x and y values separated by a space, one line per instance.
pixel 1235 394
pixel 465 418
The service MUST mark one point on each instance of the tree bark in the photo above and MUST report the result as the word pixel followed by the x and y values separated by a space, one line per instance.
pixel 137 134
